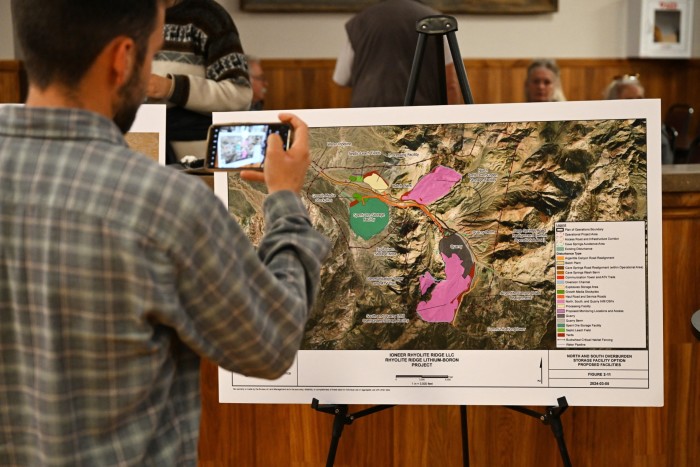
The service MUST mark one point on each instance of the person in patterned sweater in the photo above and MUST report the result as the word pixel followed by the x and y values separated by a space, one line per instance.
pixel 200 69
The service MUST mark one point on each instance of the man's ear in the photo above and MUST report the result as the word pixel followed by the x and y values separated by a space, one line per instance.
pixel 123 59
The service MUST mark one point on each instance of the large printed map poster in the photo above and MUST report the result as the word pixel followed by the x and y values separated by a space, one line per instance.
pixel 481 255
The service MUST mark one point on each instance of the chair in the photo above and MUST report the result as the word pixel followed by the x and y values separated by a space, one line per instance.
pixel 668 142
pixel 693 154
pixel 679 117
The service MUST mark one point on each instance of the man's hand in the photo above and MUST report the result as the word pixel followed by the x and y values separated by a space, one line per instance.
pixel 284 170
pixel 158 87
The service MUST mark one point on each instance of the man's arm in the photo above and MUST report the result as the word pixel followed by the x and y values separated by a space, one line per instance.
pixel 246 309
pixel 242 308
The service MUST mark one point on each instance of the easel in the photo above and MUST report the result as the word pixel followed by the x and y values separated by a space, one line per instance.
pixel 340 419
pixel 551 417
pixel 438 26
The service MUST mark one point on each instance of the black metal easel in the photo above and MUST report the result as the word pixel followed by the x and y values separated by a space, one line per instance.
pixel 551 417
pixel 340 419
pixel 439 26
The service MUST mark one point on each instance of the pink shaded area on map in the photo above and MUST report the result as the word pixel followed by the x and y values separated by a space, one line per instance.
pixel 426 281
pixel 443 303
pixel 434 185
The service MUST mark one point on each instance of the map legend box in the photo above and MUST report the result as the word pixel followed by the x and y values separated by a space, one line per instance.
pixel 597 267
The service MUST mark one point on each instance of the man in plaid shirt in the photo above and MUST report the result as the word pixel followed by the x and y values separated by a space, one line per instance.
pixel 117 275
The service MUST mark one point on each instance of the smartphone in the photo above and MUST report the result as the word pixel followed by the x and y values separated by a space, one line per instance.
pixel 238 146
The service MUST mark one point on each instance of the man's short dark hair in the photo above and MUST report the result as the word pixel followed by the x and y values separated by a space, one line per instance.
pixel 60 39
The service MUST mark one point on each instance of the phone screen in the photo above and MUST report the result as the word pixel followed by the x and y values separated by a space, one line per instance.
pixel 242 146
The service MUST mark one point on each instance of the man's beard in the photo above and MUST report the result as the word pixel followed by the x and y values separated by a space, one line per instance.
pixel 131 96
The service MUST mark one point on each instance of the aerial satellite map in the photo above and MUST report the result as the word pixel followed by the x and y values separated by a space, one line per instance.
pixel 444 234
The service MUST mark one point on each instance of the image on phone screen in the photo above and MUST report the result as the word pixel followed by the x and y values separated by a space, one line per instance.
pixel 234 146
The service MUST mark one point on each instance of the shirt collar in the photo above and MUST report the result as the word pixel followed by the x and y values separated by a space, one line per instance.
pixel 58 123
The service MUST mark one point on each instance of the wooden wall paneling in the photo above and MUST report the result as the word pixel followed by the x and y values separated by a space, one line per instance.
pixel 284 86
pixel 319 83
pixel 308 83
pixel 497 81
pixel 649 437
pixel 499 436
pixel 618 436
pixel 225 434
pixel 682 436
pixel 513 83
pixel 478 82
pixel 425 434
pixel 483 86
pixel 368 441
pixel 681 229
pixel 583 80
pixel 303 84
pixel 494 92
pixel 573 84
pixel 13 86
pixel 310 436
pixel 293 88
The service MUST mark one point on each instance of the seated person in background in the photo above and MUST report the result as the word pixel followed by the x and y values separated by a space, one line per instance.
pixel 629 87
pixel 200 69
pixel 378 56
pixel 257 81
pixel 543 83
pixel 624 87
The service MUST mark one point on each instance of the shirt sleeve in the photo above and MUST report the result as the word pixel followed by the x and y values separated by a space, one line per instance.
pixel 241 307
pixel 343 66
pixel 204 95
pixel 447 51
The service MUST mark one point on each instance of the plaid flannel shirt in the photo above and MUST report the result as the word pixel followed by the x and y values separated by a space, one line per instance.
pixel 116 276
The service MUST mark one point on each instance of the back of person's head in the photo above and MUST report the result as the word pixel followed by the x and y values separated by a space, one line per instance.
pixel 60 39
pixel 624 87
pixel 543 81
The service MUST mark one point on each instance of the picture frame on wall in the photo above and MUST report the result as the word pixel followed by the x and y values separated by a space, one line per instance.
pixel 493 7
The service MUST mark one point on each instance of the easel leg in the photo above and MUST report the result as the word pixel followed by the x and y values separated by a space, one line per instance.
pixel 340 419
pixel 459 68
pixel 415 71
pixel 465 435
pixel 558 431
pixel 339 422
pixel 551 417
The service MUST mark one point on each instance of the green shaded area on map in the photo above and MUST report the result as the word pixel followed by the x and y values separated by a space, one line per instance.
pixel 369 217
